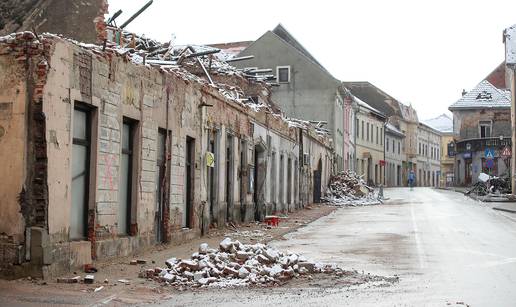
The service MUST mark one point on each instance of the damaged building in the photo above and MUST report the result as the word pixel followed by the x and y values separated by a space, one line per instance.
pixel 117 150
pixel 481 120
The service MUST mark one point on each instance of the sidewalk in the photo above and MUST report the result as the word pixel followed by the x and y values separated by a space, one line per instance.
pixel 507 207
pixel 496 204
pixel 117 280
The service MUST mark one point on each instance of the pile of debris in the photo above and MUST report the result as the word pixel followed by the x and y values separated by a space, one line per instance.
pixel 491 186
pixel 236 264
pixel 348 189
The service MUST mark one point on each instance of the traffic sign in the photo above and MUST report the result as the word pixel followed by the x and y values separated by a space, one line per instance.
pixel 489 153
pixel 506 152
pixel 490 163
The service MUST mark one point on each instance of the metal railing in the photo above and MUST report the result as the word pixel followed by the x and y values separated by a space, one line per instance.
pixel 482 143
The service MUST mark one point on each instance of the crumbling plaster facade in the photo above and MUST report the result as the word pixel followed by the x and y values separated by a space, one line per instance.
pixel 47 79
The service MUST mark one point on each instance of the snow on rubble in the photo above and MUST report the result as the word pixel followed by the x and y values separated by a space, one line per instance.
pixel 348 189
pixel 237 264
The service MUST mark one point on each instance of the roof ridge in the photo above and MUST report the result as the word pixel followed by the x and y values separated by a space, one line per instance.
pixel 299 46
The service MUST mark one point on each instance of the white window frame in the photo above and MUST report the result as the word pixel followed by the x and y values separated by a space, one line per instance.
pixel 277 73
pixel 485 123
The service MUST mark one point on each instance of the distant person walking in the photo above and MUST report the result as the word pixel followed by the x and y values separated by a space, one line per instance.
pixel 411 179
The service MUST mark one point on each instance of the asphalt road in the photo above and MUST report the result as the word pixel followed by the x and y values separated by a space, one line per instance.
pixel 447 249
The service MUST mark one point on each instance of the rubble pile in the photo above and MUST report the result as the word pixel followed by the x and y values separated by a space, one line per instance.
pixel 236 264
pixel 256 234
pixel 491 186
pixel 348 189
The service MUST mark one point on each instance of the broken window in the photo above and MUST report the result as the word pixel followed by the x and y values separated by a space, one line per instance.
pixel 485 129
pixel 283 73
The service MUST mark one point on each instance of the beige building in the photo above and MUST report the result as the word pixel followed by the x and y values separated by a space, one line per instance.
pixel 370 143
pixel 394 156
pixel 444 124
pixel 107 156
pixel 428 156
pixel 402 117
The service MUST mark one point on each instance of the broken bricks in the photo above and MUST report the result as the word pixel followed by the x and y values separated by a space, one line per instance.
pixel 235 264
pixel 69 280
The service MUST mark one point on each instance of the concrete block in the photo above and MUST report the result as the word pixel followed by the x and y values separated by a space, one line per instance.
pixel 40 250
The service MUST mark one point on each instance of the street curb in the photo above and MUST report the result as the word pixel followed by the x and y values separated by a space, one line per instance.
pixel 503 209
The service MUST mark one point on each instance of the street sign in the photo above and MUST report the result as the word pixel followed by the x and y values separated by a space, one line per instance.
pixel 489 163
pixel 489 153
pixel 506 152
pixel 210 159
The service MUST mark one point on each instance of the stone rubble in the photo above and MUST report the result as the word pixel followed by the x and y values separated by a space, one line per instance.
pixel 236 264
pixel 348 189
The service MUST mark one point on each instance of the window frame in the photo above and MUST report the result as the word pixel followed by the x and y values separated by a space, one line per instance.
pixel 278 75
pixel 485 123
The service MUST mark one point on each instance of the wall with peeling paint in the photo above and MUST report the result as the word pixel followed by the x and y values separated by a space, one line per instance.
pixel 64 75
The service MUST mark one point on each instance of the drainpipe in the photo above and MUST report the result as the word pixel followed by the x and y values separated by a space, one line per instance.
pixel 384 162
pixel 509 39
pixel 355 137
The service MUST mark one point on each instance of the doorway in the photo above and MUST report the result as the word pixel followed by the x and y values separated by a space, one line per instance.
pixel 468 171
pixel 260 169
pixel 189 183
pixel 243 179
pixel 289 183
pixel 229 177
pixel 211 178
pixel 80 173
pixel 160 186
pixel 126 170
pixel 317 182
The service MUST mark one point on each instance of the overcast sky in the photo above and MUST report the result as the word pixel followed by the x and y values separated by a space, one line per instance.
pixel 420 52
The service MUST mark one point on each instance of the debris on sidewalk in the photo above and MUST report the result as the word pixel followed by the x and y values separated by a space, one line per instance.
pixel 98 289
pixel 348 189
pixel 236 264
pixel 69 280
pixel 89 279
pixel 256 234
pixel 492 187
pixel 89 268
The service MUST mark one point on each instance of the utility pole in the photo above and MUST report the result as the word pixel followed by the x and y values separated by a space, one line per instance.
pixel 509 38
